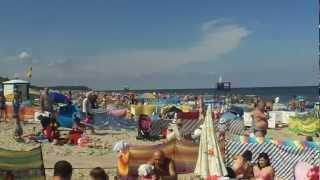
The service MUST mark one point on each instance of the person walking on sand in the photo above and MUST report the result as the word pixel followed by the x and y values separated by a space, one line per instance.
pixel 87 110
pixel 16 103
pixel 3 108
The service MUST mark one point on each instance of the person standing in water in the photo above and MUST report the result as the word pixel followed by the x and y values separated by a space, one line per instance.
pixel 16 103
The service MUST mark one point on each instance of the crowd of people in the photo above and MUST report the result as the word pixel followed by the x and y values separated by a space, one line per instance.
pixel 243 168
pixel 163 167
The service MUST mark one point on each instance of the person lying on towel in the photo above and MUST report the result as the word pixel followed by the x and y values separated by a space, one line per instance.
pixel 77 131
pixel 77 136
pixel 49 131
pixel 164 167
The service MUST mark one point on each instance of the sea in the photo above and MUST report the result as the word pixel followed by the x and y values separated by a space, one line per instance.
pixel 310 93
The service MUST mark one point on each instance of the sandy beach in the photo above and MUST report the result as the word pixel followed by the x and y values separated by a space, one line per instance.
pixel 84 159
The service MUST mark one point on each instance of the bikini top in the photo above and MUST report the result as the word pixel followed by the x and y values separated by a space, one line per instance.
pixel 262 175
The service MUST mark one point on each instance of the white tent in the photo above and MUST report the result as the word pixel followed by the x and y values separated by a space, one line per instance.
pixel 210 162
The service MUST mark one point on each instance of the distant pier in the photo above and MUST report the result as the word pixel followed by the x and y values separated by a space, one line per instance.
pixel 224 86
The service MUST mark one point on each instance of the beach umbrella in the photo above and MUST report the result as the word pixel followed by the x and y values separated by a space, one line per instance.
pixel 210 163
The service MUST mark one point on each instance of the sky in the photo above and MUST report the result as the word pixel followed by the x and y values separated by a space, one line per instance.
pixel 143 44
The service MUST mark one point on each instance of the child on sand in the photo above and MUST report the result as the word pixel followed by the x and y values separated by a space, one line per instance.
pixel 77 136
pixel 123 158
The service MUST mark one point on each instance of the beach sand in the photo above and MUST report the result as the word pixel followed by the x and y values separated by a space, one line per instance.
pixel 84 159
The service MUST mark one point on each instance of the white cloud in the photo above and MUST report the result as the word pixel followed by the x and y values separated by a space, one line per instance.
pixel 24 56
pixel 206 26
pixel 218 39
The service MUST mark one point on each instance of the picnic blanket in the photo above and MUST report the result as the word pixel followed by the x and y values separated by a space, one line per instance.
pixel 25 165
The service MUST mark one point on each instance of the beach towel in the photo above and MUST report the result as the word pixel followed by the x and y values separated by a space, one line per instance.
pixel 308 125
pixel 194 115
pixel 188 115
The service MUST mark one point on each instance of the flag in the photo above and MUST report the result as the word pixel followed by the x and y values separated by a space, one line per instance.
pixel 29 72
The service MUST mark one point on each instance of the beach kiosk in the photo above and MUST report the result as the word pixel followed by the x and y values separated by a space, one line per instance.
pixel 9 87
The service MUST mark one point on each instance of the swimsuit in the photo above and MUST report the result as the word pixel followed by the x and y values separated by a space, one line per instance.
pixel 263 130
pixel 262 176
pixel 123 164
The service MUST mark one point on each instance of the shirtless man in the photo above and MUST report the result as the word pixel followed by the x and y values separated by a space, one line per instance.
pixel 260 120
pixel 164 167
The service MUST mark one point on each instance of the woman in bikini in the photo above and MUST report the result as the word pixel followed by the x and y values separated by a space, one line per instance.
pixel 263 169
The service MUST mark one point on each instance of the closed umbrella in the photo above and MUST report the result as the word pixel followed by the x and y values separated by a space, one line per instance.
pixel 210 163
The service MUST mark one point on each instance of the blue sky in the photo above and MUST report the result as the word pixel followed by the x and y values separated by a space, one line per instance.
pixel 160 44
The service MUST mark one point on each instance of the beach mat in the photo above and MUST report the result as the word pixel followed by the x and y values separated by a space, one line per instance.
pixel 25 165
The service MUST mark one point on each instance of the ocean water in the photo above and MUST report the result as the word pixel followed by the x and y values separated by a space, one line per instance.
pixel 310 93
